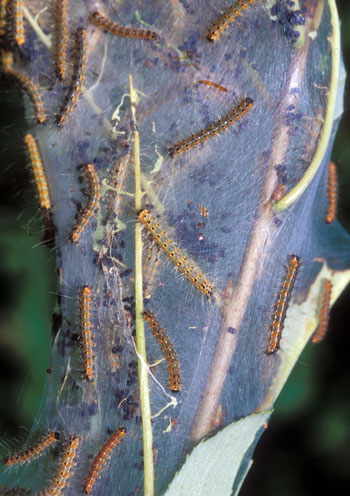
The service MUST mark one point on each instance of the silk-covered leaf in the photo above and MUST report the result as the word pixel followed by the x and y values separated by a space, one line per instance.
pixel 210 164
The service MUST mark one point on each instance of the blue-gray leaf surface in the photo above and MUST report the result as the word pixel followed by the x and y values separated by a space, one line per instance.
pixel 220 202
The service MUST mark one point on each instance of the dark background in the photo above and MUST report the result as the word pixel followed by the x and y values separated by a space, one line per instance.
pixel 307 445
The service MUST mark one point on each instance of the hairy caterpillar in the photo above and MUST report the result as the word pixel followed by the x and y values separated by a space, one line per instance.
pixel 323 312
pixel 61 38
pixel 332 193
pixel 27 84
pixel 84 298
pixel 77 81
pixel 228 16
pixel 92 204
pixel 34 451
pixel 186 266
pixel 104 23
pixel 7 60
pixel 214 85
pixel 18 26
pixel 217 127
pixel 102 457
pixel 168 350
pixel 3 16
pixel 64 470
pixel 282 304
pixel 38 171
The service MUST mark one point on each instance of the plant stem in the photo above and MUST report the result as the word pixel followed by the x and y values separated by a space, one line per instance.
pixel 140 329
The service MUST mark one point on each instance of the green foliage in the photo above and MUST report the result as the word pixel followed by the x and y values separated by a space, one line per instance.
pixel 215 465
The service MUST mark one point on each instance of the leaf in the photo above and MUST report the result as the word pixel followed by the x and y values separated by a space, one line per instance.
pixel 300 325
pixel 214 465
pixel 211 139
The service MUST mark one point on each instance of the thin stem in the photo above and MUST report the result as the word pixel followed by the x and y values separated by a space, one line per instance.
pixel 140 329
pixel 35 25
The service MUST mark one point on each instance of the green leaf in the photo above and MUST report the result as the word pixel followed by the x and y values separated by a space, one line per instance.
pixel 215 465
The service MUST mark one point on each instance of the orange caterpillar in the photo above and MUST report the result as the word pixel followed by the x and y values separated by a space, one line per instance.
pixel 325 308
pixel 168 350
pixel 38 171
pixel 18 26
pixel 217 127
pixel 282 304
pixel 92 204
pixel 104 23
pixel 184 265
pixel 214 85
pixel 84 299
pixel 76 84
pixel 332 193
pixel 228 16
pixel 27 85
pixel 34 451
pixel 61 38
pixel 64 470
pixel 3 16
pixel 7 61
pixel 102 457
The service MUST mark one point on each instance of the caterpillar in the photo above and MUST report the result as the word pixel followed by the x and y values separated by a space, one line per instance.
pixel 92 204
pixel 38 171
pixel 34 451
pixel 185 266
pixel 168 350
pixel 214 85
pixel 7 61
pixel 76 84
pixel 18 25
pixel 104 23
pixel 323 312
pixel 102 457
pixel 84 298
pixel 61 38
pixel 228 16
pixel 282 304
pixel 64 470
pixel 3 16
pixel 217 127
pixel 28 86
pixel 332 193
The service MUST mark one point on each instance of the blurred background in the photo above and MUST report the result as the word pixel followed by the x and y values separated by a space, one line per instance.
pixel 307 444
